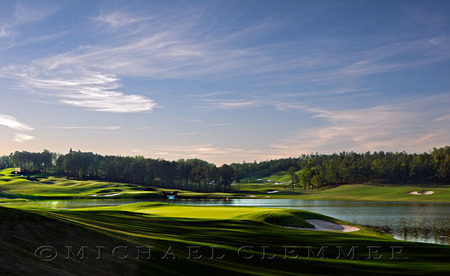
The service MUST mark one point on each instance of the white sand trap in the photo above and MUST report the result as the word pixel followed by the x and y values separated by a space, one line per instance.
pixel 113 194
pixel 331 226
pixel 423 193
pixel 322 225
pixel 105 195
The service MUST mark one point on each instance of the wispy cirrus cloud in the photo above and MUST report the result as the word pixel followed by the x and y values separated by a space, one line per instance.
pixel 416 125
pixel 22 137
pixel 26 12
pixel 443 118
pixel 214 153
pixel 90 127
pixel 390 56
pixel 170 46
pixel 13 123
pixel 118 19
pixel 3 32
pixel 231 104
pixel 83 88
pixel 203 122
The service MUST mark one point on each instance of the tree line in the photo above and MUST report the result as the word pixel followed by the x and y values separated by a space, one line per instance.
pixel 191 174
pixel 319 170
pixel 311 171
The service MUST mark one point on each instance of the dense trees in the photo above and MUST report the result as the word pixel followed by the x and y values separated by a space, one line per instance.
pixel 31 161
pixel 312 171
pixel 192 174
pixel 316 170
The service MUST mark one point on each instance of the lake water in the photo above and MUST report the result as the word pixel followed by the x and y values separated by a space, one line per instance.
pixel 411 221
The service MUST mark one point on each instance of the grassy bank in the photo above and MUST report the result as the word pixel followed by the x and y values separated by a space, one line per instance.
pixel 190 240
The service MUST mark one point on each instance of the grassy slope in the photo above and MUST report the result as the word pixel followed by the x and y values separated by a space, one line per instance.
pixel 12 186
pixel 176 227
pixel 376 193
pixel 260 186
pixel 52 187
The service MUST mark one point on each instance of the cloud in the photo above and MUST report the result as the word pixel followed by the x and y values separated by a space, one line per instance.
pixel 409 126
pixel 210 152
pixel 12 123
pixel 3 32
pixel 118 19
pixel 175 133
pixel 21 137
pixel 443 118
pixel 27 13
pixel 167 46
pixel 83 88
pixel 91 127
pixel 231 104
pixel 199 150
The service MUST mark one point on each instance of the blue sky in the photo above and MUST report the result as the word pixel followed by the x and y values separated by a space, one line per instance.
pixel 224 81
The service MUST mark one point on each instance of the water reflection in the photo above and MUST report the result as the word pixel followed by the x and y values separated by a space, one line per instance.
pixel 412 221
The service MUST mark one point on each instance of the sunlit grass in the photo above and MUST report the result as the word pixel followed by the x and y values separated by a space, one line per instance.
pixel 16 186
pixel 227 229
pixel 51 186
pixel 378 193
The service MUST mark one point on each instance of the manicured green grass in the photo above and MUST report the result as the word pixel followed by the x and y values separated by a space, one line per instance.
pixel 377 193
pixel 16 186
pixel 48 187
pixel 249 239
pixel 277 181
pixel 260 187
pixel 284 217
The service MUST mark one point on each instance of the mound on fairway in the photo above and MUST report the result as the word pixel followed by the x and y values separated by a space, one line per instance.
pixel 49 187
pixel 274 216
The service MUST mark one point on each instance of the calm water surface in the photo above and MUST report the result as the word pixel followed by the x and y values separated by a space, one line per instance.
pixel 411 221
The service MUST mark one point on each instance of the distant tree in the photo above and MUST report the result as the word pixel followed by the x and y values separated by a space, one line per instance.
pixel 226 176
pixel 5 162
pixel 306 174
pixel 295 179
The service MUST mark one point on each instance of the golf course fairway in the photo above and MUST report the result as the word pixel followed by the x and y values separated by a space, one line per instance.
pixel 165 239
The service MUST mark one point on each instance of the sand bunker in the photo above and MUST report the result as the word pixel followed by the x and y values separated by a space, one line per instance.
pixel 422 193
pixel 322 225
pixel 105 195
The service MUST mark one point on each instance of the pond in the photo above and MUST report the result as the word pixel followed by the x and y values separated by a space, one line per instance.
pixel 411 221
